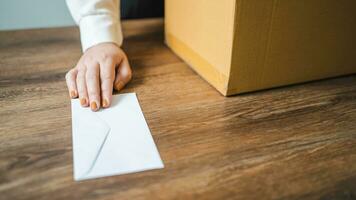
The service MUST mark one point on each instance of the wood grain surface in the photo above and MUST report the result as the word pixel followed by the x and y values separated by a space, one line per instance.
pixel 296 142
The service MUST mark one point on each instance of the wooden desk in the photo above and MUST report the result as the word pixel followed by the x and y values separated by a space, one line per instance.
pixel 287 143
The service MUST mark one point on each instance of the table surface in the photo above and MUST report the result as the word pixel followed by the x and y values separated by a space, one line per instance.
pixel 286 143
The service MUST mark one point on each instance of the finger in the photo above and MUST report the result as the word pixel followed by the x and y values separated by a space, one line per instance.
pixel 123 74
pixel 93 85
pixel 107 75
pixel 71 84
pixel 82 88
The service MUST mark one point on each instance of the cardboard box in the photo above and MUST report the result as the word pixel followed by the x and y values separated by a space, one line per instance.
pixel 246 45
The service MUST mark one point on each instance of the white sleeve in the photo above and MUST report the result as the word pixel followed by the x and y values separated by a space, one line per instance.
pixel 98 21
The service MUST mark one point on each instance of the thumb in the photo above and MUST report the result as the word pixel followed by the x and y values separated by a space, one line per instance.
pixel 123 74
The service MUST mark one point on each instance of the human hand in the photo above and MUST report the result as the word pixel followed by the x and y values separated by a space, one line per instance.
pixel 100 69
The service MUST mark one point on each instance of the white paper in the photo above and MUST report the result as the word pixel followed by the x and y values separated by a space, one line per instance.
pixel 112 141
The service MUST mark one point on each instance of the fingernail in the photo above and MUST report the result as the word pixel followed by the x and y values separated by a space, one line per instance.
pixel 73 94
pixel 83 101
pixel 119 86
pixel 105 103
pixel 93 106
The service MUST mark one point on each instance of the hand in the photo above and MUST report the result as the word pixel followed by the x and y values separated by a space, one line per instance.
pixel 100 68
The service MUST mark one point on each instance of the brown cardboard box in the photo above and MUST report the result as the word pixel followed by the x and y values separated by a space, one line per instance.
pixel 246 45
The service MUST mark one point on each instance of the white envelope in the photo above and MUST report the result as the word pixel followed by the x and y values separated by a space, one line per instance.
pixel 112 141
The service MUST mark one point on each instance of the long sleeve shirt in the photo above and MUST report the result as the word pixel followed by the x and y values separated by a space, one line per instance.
pixel 98 21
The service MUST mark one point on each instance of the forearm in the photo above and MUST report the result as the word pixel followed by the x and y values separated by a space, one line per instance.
pixel 98 21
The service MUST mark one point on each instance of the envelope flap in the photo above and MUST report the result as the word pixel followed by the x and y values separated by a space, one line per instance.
pixel 89 135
